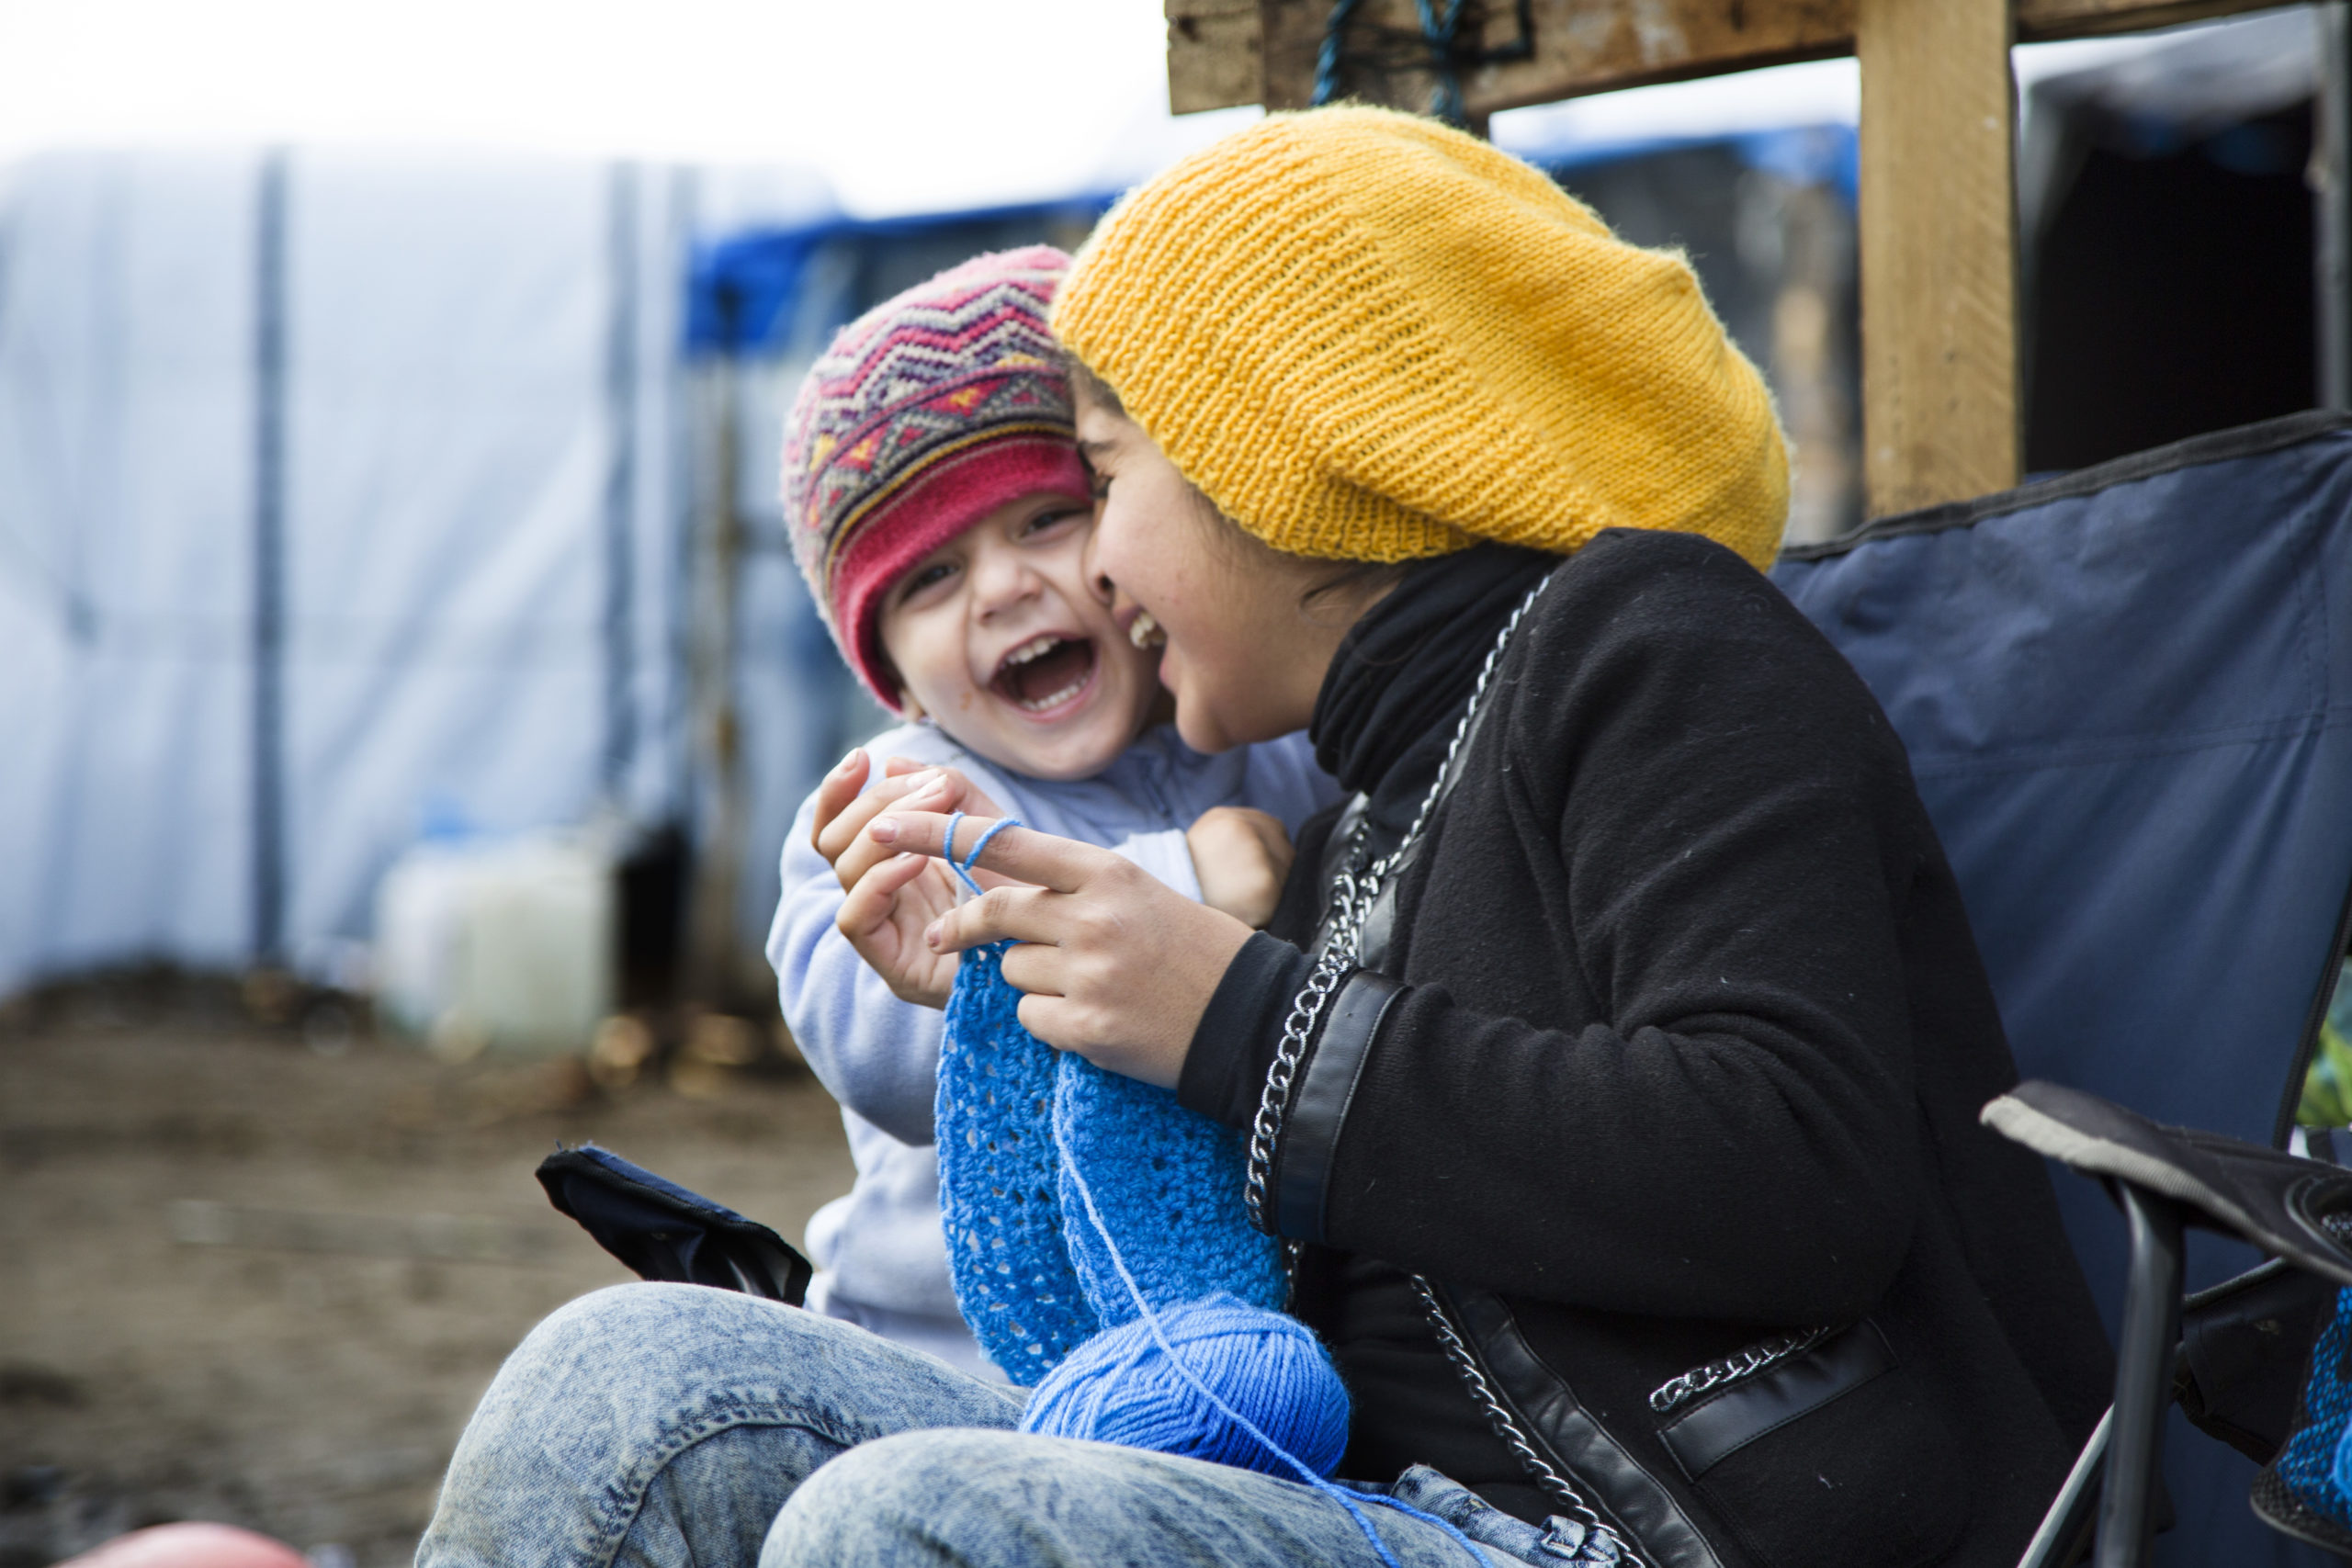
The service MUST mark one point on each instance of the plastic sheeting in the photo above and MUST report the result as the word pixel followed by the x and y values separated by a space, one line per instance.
pixel 2127 694
pixel 446 559
pixel 466 576
pixel 125 295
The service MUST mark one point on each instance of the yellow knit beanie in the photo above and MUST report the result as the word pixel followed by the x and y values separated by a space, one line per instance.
pixel 1368 337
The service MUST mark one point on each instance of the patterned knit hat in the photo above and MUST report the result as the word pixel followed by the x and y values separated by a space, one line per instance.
pixel 1368 337
pixel 926 413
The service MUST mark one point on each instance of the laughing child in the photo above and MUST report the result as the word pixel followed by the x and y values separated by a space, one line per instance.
pixel 940 511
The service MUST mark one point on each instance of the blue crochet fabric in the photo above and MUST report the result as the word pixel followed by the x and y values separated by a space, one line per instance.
pixel 2313 1462
pixel 998 1185
pixel 1030 1276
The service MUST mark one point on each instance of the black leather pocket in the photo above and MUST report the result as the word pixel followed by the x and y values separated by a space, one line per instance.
pixel 1837 1455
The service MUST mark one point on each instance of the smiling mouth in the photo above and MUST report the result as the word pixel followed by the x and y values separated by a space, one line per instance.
pixel 1045 672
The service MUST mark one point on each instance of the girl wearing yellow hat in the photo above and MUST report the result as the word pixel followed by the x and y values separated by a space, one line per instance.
pixel 1614 1057
pixel 1632 1133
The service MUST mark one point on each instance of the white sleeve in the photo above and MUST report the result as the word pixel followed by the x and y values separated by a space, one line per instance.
pixel 1167 856
pixel 1284 780
pixel 877 1054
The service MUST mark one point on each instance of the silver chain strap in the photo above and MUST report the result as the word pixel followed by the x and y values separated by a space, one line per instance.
pixel 1507 1426
pixel 1353 891
pixel 1737 1367
pixel 1329 970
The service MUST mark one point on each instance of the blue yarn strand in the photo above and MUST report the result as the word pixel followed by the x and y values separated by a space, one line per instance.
pixel 963 868
pixel 1346 1497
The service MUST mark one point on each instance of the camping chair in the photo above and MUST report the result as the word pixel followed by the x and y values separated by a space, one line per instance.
pixel 2248 1356
pixel 2127 696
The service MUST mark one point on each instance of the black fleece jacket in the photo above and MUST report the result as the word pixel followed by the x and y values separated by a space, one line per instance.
pixel 1691 1042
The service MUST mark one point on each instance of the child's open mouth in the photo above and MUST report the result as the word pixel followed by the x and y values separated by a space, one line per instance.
pixel 1045 672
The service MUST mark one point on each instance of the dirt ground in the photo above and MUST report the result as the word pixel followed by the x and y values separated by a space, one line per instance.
pixel 252 1280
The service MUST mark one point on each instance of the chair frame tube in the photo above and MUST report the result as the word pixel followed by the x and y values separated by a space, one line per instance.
pixel 2144 1377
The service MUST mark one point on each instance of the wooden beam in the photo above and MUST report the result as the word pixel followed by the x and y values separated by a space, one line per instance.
pixel 1577 42
pixel 1938 250
pixel 2040 21
pixel 1216 58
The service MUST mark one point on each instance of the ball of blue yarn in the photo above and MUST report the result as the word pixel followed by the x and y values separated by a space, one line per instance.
pixel 1118 1387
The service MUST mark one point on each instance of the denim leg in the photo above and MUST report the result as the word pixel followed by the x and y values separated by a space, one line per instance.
pixel 662 1425
pixel 983 1499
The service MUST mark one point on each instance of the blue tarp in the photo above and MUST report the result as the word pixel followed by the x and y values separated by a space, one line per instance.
pixel 743 289
pixel 2127 694
pixel 1825 154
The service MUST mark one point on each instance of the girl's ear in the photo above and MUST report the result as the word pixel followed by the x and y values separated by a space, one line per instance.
pixel 911 708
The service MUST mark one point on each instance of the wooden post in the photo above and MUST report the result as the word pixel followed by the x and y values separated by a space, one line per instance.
pixel 1938 250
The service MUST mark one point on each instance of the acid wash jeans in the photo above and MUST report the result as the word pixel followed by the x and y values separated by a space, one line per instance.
pixel 680 1426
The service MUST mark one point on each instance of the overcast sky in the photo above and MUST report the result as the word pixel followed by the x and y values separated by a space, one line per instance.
pixel 904 104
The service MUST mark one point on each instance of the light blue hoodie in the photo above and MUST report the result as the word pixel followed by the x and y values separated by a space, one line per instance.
pixel 882 1255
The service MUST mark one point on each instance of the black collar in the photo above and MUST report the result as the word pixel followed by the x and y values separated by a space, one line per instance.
pixel 1398 682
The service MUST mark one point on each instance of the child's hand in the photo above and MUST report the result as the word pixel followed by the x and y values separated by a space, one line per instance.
pixel 838 832
pixel 892 897
pixel 1241 857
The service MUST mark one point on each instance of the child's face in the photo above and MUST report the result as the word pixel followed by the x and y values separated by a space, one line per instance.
pixel 995 637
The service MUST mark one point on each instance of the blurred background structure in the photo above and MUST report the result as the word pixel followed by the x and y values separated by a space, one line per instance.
pixel 396 623
pixel 354 499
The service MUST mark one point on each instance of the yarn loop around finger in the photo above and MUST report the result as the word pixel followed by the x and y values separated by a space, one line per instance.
pixel 963 868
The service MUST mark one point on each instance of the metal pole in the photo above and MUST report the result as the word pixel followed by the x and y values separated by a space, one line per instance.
pixel 2064 1528
pixel 2332 214
pixel 2144 1370
pixel 269 756
pixel 620 487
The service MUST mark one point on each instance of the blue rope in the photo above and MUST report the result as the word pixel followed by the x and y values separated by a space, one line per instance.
pixel 1327 59
pixel 1445 98
pixel 1438 32
pixel 964 867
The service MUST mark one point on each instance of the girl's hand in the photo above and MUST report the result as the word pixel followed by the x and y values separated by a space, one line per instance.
pixel 892 897
pixel 1117 966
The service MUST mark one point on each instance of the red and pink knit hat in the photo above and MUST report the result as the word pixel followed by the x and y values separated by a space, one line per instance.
pixel 928 412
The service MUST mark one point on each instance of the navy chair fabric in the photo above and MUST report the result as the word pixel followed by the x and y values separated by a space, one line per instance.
pixel 2127 694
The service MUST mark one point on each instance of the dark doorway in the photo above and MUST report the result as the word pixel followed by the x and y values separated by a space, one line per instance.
pixel 2172 292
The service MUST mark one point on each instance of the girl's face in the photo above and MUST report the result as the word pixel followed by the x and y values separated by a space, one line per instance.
pixel 998 636
pixel 1242 655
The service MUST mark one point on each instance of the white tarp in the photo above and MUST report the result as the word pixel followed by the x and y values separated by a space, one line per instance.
pixel 484 515
pixel 126 336
pixel 445 565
